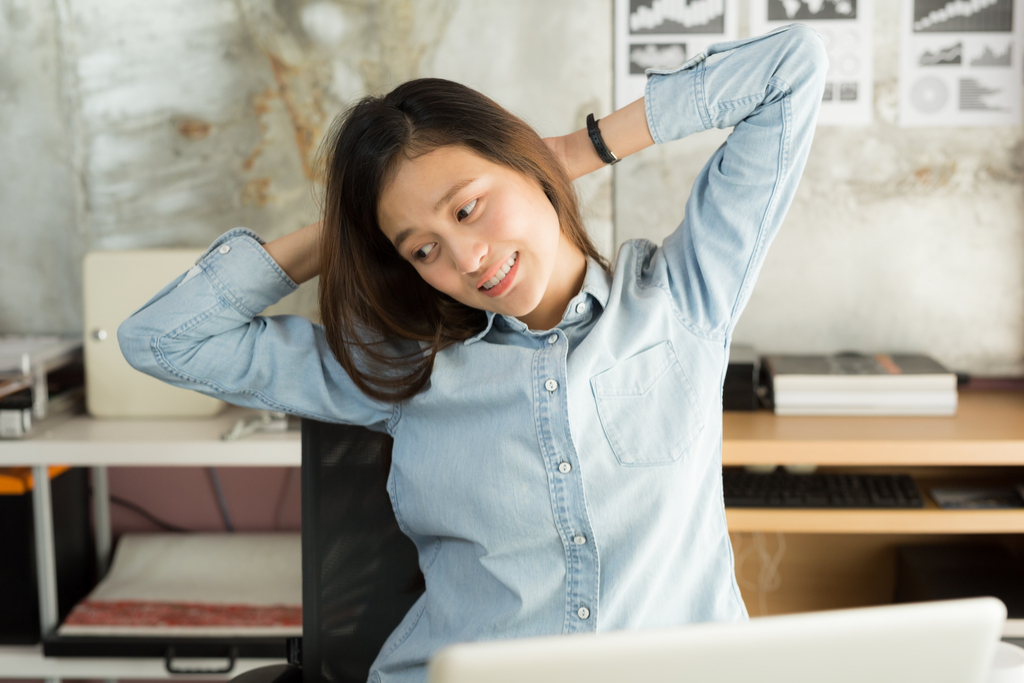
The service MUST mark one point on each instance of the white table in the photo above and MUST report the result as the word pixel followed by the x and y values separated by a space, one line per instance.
pixel 95 443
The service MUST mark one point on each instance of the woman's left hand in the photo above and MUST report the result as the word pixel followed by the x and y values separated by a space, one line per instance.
pixel 624 131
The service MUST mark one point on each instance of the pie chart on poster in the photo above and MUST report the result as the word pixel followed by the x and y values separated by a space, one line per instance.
pixel 928 94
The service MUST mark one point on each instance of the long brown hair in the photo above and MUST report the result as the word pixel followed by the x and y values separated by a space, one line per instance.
pixel 370 297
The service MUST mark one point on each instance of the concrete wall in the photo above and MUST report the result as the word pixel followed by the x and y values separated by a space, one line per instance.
pixel 165 126
pixel 898 239
pixel 166 123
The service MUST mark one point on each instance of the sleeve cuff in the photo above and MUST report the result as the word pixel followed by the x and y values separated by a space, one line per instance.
pixel 674 101
pixel 243 273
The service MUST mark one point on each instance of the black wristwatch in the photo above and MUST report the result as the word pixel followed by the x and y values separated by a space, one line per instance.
pixel 595 137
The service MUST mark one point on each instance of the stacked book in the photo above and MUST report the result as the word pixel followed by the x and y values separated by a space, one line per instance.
pixel 857 384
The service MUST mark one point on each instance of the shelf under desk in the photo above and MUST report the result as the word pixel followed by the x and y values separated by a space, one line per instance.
pixel 987 430
pixel 190 442
pixel 930 520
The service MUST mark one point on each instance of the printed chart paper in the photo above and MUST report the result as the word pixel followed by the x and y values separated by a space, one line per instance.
pixel 846 27
pixel 960 62
pixel 663 34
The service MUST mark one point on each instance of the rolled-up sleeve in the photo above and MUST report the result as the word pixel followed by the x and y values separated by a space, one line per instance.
pixel 769 89
pixel 204 332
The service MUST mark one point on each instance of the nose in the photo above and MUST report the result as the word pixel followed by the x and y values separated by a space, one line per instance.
pixel 468 253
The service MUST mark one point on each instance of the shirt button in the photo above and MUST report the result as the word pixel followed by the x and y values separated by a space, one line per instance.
pixel 583 613
pixel 564 467
pixel 580 307
pixel 224 249
pixel 551 385
pixel 579 540
pixel 552 339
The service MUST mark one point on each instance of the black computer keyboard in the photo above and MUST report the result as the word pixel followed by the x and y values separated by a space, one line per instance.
pixel 785 490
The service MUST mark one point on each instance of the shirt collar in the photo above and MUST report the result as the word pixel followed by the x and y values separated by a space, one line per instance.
pixel 596 283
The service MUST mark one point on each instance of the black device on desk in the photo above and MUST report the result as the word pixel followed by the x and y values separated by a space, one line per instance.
pixel 739 390
pixel 784 489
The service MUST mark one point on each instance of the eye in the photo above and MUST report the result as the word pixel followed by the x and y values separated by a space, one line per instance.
pixel 424 251
pixel 464 212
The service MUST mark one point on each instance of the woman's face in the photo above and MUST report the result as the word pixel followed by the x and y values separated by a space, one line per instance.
pixel 482 233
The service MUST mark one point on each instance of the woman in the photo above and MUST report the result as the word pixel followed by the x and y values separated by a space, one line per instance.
pixel 557 427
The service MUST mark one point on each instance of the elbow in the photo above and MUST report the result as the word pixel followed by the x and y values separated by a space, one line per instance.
pixel 135 346
pixel 807 54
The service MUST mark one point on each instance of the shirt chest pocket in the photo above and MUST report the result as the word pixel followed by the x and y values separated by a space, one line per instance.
pixel 648 408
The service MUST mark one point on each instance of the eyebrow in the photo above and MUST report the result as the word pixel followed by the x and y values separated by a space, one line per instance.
pixel 404 234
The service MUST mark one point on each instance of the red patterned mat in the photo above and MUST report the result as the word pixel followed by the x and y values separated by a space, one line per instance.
pixel 136 613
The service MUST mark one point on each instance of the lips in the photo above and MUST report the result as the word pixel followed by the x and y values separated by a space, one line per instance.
pixel 502 286
pixel 498 270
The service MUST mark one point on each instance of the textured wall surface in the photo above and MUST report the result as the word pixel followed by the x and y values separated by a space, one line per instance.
pixel 168 122
pixel 40 246
pixel 898 239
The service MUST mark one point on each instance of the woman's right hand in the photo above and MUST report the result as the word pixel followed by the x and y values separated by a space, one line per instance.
pixel 298 253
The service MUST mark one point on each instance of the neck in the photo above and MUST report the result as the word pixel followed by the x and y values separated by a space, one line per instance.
pixel 566 282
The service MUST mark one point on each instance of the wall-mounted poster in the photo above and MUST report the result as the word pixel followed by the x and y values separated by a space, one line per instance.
pixel 662 34
pixel 846 27
pixel 960 62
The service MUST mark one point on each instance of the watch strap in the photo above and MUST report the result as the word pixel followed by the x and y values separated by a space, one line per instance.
pixel 595 137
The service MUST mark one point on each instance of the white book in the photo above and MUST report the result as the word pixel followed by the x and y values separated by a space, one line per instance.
pixel 946 400
pixel 912 410
pixel 858 373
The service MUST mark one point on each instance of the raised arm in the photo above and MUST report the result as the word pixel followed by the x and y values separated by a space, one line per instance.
pixel 769 89
pixel 204 332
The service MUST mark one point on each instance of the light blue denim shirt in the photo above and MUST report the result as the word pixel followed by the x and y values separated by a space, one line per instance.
pixel 556 481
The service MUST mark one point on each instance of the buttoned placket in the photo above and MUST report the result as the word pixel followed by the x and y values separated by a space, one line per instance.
pixel 568 501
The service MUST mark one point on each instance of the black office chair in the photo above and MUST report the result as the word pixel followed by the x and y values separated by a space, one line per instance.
pixel 360 573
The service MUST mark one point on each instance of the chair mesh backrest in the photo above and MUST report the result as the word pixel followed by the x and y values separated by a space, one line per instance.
pixel 359 571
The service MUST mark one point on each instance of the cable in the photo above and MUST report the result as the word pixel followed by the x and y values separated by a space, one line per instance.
pixel 769 577
pixel 222 502
pixel 283 496
pixel 142 512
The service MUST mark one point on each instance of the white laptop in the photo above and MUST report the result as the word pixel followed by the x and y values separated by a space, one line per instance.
pixel 937 642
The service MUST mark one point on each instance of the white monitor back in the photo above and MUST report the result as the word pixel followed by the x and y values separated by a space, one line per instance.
pixel 114 285
pixel 939 642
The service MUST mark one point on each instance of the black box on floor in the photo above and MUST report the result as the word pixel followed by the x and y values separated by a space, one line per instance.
pixel 740 389
pixel 948 571
pixel 75 552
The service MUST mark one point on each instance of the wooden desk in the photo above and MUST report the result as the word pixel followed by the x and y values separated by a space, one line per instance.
pixel 988 429
pixel 829 559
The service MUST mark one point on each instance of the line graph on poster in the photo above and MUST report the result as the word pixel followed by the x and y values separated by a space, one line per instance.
pixel 802 10
pixel 976 96
pixel 945 16
pixel 644 56
pixel 990 57
pixel 942 56
pixel 676 16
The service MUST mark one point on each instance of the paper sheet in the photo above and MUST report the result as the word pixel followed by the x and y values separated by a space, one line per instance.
pixel 662 34
pixel 846 26
pixel 197 585
pixel 960 62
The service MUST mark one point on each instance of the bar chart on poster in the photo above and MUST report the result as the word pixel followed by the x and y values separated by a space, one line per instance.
pixel 960 63
pixel 846 28
pixel 663 34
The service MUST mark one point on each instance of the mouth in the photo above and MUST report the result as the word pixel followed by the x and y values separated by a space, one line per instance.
pixel 501 276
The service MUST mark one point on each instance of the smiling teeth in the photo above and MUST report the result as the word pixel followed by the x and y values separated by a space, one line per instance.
pixel 502 272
